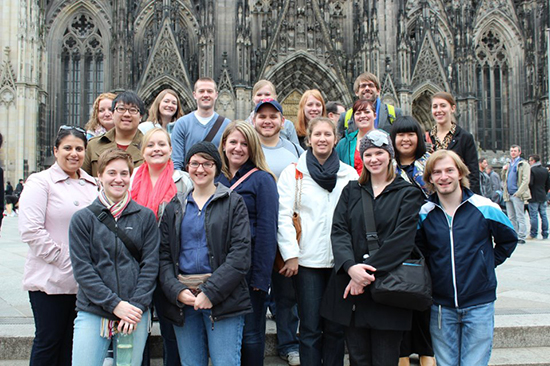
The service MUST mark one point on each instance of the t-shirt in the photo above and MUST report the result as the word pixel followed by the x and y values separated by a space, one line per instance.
pixel 282 155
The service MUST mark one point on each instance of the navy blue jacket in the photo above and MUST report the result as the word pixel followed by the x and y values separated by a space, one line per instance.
pixel 460 252
pixel 259 192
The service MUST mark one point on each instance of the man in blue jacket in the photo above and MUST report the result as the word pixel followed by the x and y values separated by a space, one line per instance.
pixel 456 234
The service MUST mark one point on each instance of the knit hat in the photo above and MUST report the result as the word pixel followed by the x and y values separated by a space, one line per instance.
pixel 207 148
pixel 376 138
pixel 270 101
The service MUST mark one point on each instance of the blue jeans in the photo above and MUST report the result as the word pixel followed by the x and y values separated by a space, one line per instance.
pixel 90 348
pixel 463 337
pixel 282 290
pixel 321 341
pixel 254 330
pixel 199 336
pixel 53 320
pixel 535 209
pixel 515 208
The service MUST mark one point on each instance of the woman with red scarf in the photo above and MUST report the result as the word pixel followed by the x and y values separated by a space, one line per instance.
pixel 153 185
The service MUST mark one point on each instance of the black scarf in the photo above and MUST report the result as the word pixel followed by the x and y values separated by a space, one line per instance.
pixel 324 175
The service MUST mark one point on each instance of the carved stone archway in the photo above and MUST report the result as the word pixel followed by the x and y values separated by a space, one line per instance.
pixel 422 109
pixel 290 105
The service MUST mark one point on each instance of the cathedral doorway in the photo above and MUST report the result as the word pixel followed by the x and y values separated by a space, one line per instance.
pixel 422 110
pixel 290 106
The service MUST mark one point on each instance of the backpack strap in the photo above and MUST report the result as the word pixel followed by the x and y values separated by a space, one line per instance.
pixel 391 113
pixel 105 217
pixel 215 128
pixel 348 116
pixel 243 178
pixel 368 211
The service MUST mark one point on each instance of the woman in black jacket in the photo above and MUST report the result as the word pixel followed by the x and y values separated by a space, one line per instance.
pixel 202 273
pixel 447 135
pixel 373 331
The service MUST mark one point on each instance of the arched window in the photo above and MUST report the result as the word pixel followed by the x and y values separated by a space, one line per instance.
pixel 492 74
pixel 82 73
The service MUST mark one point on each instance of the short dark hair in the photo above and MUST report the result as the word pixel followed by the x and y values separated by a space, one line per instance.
pixel 481 160
pixel 130 97
pixel 70 130
pixel 404 124
pixel 332 107
pixel 535 157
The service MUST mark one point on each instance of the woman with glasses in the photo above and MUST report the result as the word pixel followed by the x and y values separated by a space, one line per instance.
pixel 101 119
pixel 311 105
pixel 47 203
pixel 373 331
pixel 245 171
pixel 153 185
pixel 204 259
pixel 164 112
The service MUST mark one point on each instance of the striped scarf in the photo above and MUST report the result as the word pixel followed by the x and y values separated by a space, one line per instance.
pixel 116 208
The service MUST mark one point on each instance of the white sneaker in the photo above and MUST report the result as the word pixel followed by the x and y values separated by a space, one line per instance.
pixel 293 358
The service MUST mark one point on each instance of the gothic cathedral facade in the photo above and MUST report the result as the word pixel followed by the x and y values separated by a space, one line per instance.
pixel 58 55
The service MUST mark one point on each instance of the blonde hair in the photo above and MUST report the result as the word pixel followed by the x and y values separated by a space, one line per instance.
pixel 255 152
pixel 301 125
pixel 260 84
pixel 154 113
pixel 93 122
pixel 365 174
pixel 149 134
pixel 317 120
pixel 442 154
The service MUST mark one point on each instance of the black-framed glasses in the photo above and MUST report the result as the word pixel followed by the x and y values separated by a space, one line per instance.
pixel 131 110
pixel 205 165
pixel 67 127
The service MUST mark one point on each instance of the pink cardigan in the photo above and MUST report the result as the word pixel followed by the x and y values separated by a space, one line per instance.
pixel 46 206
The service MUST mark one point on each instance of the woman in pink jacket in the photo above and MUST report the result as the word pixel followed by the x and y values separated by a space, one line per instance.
pixel 48 202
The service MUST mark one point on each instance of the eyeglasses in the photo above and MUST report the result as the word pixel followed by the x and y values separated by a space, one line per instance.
pixel 67 127
pixel 131 110
pixel 205 165
pixel 367 85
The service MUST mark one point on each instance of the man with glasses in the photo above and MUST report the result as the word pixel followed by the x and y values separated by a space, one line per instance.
pixel 367 87
pixel 128 109
pixel 204 124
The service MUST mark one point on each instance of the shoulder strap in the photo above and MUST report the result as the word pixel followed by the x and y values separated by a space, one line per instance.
pixel 349 113
pixel 243 178
pixel 391 113
pixel 215 128
pixel 108 220
pixel 368 212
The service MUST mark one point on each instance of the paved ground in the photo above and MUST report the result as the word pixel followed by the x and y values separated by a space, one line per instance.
pixel 523 292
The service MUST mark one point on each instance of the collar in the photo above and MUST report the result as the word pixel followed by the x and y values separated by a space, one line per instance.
pixel 466 194
pixel 109 136
pixel 59 175
pixel 536 164
pixel 243 170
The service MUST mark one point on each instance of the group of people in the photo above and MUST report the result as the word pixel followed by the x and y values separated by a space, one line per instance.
pixel 207 221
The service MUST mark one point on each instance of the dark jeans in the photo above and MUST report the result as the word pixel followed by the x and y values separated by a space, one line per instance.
pixel 371 347
pixel 53 319
pixel 171 355
pixel 282 290
pixel 321 341
pixel 252 353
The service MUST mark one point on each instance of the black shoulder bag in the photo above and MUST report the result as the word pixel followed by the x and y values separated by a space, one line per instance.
pixel 108 220
pixel 215 128
pixel 409 285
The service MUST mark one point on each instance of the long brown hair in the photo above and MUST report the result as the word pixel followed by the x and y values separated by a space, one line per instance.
pixel 154 114
pixel 301 125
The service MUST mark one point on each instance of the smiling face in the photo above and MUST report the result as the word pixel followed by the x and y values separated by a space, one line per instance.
pixel 313 108
pixel 157 150
pixel 126 122
pixel 406 144
pixel 105 114
pixel 367 90
pixel 205 94
pixel 263 93
pixel 442 111
pixel 376 161
pixel 115 179
pixel 236 150
pixel 168 107
pixel 268 121
pixel 364 119
pixel 70 155
pixel 202 171
pixel 322 140
pixel 445 176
